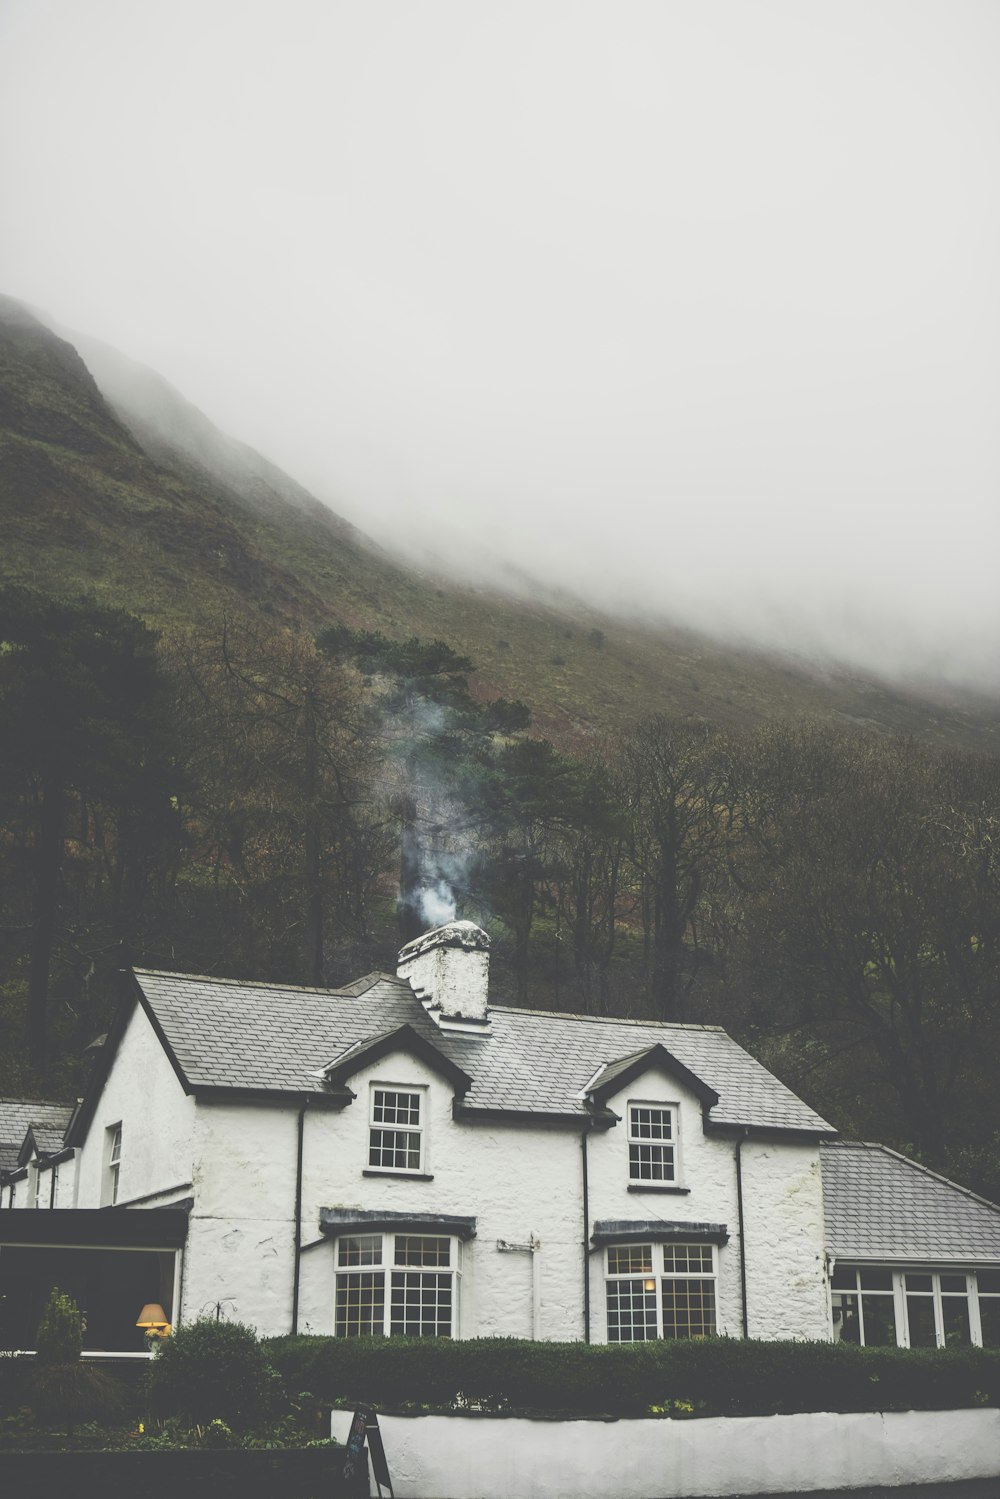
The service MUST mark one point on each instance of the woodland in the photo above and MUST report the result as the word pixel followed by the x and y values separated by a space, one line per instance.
pixel 272 802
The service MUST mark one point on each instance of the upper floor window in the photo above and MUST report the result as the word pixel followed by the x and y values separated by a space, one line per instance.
pixel 114 1163
pixel 396 1138
pixel 660 1291
pixel 41 1182
pixel 652 1144
pixel 397 1285
pixel 915 1308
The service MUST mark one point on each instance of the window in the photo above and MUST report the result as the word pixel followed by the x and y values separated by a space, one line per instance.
pixel 660 1291
pixel 41 1181
pixel 114 1162
pixel 915 1308
pixel 396 1137
pixel 652 1143
pixel 399 1285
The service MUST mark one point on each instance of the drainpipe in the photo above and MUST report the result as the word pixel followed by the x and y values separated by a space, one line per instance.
pixel 586 1233
pixel 536 1288
pixel 742 1227
pixel 298 1219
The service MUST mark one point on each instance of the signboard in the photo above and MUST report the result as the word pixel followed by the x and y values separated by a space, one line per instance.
pixel 365 1426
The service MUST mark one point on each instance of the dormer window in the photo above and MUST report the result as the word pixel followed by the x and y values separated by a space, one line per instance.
pixel 652 1144
pixel 396 1138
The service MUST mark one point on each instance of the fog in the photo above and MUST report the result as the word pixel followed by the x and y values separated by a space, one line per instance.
pixel 689 307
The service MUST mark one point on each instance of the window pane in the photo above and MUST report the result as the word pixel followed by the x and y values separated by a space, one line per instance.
pixel 399 1149
pixel 417 1250
pixel 688 1308
pixel 880 1321
pixel 876 1280
pixel 955 1314
pixel 630 1259
pixel 846 1322
pixel 650 1124
pixel 396 1108
pixel 631 1312
pixel 954 1285
pixel 360 1305
pixel 989 1316
pixel 989 1282
pixel 421 1305
pixel 920 1315
pixel 654 1163
pixel 687 1259
pixel 919 1283
pixel 363 1250
pixel 844 1279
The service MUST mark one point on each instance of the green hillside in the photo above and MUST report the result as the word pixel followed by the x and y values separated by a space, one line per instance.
pixel 133 497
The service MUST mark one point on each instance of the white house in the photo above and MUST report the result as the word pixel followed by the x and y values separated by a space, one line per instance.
pixel 400 1157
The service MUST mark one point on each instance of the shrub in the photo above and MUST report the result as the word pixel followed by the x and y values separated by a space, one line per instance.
pixel 60 1332
pixel 717 1376
pixel 63 1395
pixel 213 1371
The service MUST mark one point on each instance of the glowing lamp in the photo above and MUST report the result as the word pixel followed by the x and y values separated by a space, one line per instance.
pixel 153 1320
pixel 649 1285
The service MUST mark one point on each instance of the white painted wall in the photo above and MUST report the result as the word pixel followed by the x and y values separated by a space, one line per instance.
pixel 480 1458
pixel 786 1266
pixel 517 1181
pixel 707 1171
pixel 240 1248
pixel 142 1091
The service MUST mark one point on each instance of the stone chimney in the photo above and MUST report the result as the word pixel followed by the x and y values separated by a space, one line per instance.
pixel 449 971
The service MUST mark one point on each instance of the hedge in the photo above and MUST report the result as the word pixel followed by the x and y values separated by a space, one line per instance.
pixel 718 1376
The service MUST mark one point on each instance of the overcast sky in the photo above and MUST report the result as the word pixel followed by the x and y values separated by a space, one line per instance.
pixel 691 305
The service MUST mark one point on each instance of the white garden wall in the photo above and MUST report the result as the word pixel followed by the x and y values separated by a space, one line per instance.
pixel 479 1458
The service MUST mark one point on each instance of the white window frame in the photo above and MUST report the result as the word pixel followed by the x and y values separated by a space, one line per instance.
pixel 37 1191
pixel 113 1163
pixel 411 1131
pixel 387 1262
pixel 661 1272
pixel 937 1297
pixel 639 1138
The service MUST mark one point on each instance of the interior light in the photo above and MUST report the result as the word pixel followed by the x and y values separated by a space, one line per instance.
pixel 649 1285
pixel 153 1320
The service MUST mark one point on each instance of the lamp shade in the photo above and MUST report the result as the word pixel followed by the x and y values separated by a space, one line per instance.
pixel 152 1315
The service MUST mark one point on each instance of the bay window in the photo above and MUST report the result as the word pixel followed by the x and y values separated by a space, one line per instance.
pixel 660 1291
pixel 397 1285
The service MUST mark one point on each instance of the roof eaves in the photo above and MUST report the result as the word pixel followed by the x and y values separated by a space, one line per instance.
pixel 470 1113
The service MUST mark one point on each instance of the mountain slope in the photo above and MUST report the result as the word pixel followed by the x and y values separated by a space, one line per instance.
pixel 117 486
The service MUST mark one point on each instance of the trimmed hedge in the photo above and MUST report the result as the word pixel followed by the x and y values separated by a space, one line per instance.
pixel 718 1376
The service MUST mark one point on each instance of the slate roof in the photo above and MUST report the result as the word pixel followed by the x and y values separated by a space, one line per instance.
pixel 881 1206
pixel 16 1114
pixel 229 1034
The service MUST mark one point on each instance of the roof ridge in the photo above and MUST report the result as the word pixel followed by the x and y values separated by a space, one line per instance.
pixel 919 1166
pixel 677 1025
pixel 211 978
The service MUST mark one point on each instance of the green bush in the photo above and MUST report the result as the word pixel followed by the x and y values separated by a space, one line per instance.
pixel 717 1376
pixel 60 1332
pixel 214 1371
